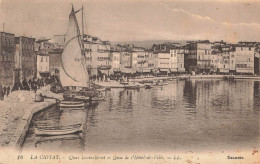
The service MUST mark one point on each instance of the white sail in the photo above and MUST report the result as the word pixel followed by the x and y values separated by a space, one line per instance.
pixel 73 71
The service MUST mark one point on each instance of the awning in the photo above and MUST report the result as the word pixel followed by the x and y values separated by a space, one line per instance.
pixel 127 71
pixel 181 70
pixel 103 72
pixel 164 69
pixel 116 70
pixel 173 70
pixel 147 70
pixel 44 74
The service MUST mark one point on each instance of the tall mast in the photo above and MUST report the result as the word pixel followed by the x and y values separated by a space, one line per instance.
pixel 82 24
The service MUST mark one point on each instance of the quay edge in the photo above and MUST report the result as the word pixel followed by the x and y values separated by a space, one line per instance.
pixel 21 131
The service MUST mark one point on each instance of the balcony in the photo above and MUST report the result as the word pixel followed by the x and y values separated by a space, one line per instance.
pixel 103 51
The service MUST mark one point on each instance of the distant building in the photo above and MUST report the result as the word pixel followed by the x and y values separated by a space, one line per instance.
pixel 26 57
pixel 59 39
pixel 55 61
pixel 43 66
pixel 223 59
pixel 7 61
pixel 257 61
pixel 42 49
pixel 200 56
pixel 98 56
pixel 115 60
pixel 244 59
pixel 177 60
pixel 163 64
pixel 138 58
pixel 150 63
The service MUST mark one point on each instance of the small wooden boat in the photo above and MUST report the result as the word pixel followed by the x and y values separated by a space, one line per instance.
pixel 71 104
pixel 56 131
pixel 148 86
pixel 98 99
pixel 159 84
pixel 44 139
pixel 132 87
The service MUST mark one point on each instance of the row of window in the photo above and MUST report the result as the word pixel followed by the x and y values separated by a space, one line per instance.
pixel 45 59
pixel 8 43
pixel 6 58
pixel 7 71
pixel 241 65
pixel 103 58
pixel 28 46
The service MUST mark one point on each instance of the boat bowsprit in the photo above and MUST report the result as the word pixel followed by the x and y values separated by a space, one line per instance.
pixel 55 131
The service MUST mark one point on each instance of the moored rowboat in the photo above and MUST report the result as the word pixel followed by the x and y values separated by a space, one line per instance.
pixel 71 104
pixel 58 130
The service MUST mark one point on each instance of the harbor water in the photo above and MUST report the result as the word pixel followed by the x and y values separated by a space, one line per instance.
pixel 185 115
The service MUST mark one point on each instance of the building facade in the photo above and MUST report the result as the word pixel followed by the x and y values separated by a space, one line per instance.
pixel 115 60
pixel 163 62
pixel 27 56
pixel 177 59
pixel 244 59
pixel 7 59
pixel 199 56
pixel 98 56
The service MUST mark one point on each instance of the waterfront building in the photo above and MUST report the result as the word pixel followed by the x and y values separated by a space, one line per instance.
pixel 150 62
pixel 26 56
pixel 42 49
pixel 125 59
pixel 177 59
pixel 55 61
pixel 51 52
pixel 163 64
pixel 163 56
pixel 98 56
pixel 244 58
pixel 43 66
pixel 138 59
pixel 115 60
pixel 257 61
pixel 199 56
pixel 7 61
pixel 225 59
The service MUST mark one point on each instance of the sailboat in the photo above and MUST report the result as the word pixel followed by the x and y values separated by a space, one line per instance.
pixel 73 74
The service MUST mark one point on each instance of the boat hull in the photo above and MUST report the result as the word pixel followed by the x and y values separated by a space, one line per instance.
pixel 72 104
pixel 58 132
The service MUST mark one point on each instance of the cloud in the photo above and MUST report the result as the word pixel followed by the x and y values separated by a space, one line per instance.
pixel 208 28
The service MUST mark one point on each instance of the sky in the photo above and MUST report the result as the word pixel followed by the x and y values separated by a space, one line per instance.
pixel 132 20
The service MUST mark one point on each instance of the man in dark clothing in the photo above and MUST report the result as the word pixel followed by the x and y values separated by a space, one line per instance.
pixel 7 90
pixel 4 91
pixel 2 95
pixel 25 85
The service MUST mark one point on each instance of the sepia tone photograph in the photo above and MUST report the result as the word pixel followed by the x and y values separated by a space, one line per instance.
pixel 129 81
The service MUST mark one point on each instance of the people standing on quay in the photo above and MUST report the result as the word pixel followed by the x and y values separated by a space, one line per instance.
pixel 25 85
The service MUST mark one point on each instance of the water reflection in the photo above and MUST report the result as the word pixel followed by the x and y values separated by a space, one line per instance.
pixel 184 115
